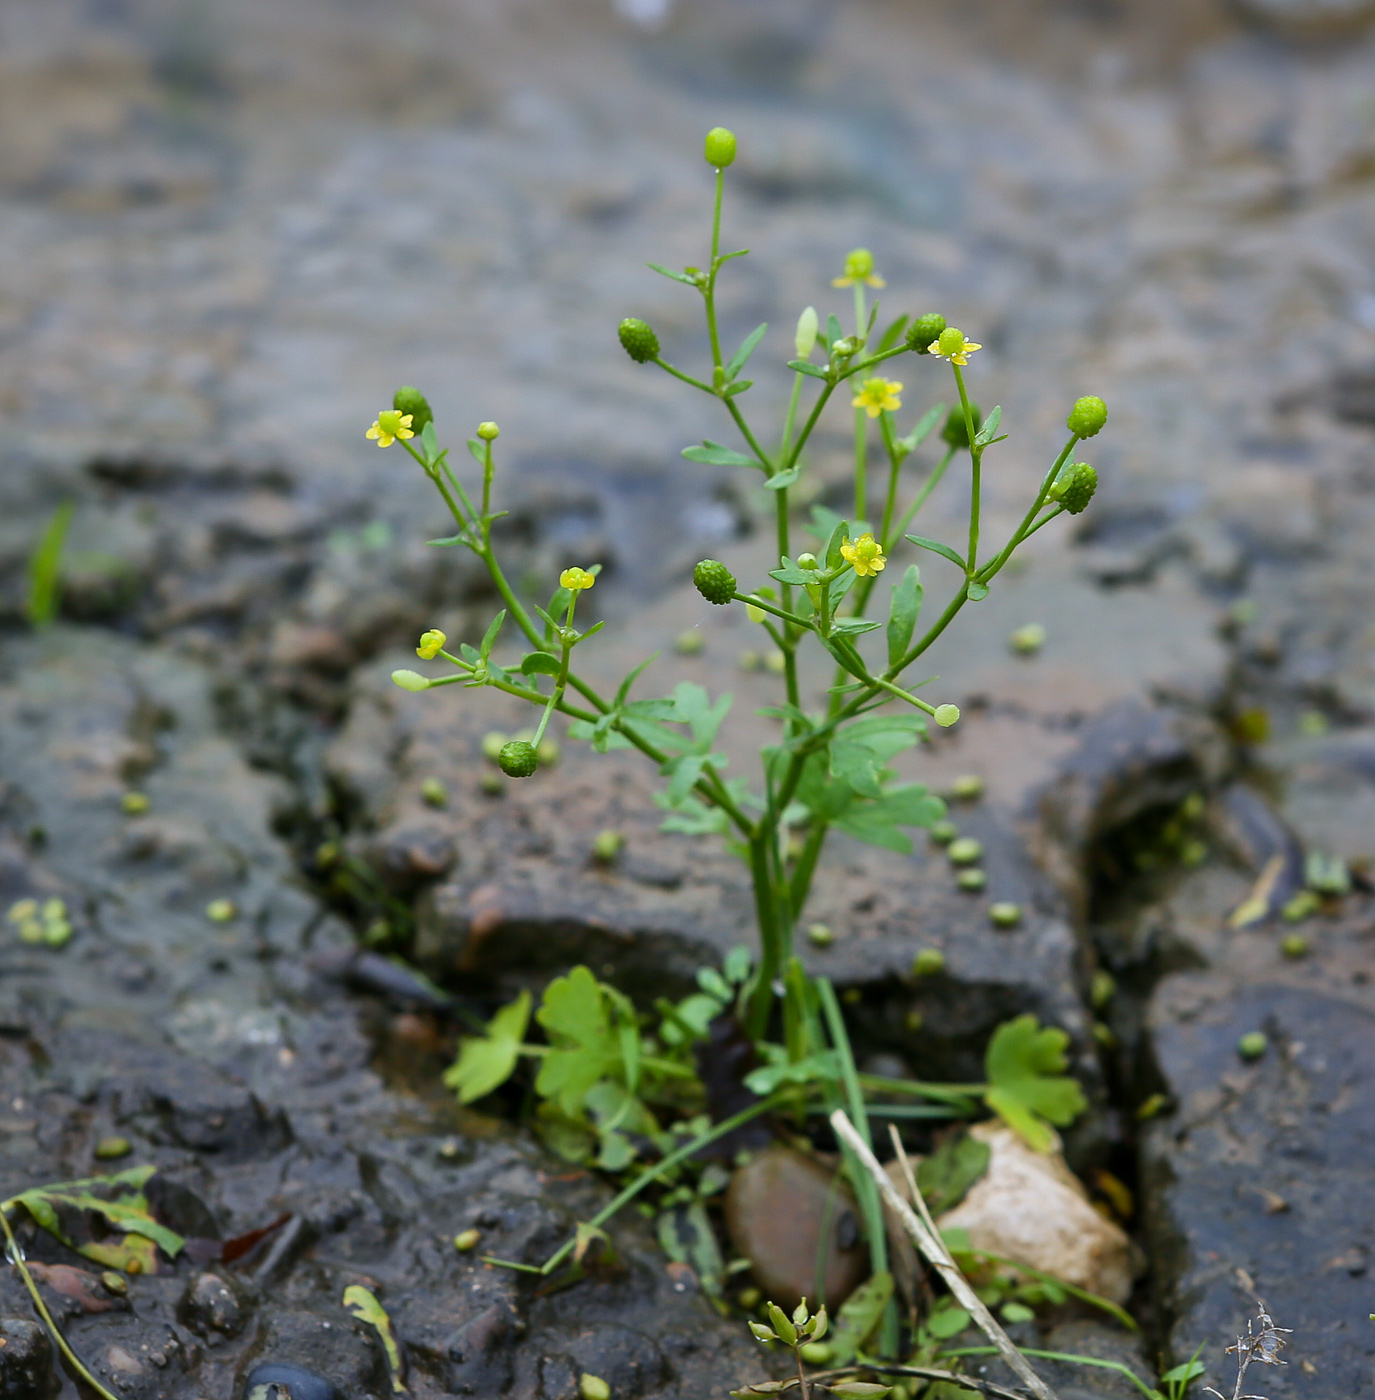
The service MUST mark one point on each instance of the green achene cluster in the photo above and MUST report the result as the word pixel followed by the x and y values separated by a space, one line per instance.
pixel 613 1086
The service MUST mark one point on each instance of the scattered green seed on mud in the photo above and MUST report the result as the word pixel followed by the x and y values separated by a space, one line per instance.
pixel 965 851
pixel 110 1148
pixel 466 1240
pixel 1253 1045
pixel 971 880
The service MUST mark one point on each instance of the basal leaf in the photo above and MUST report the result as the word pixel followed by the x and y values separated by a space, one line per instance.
pixel 1025 1085
pixel 486 1063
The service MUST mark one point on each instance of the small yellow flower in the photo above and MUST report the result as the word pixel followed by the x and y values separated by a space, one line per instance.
pixel 875 395
pixel 865 554
pixel 953 346
pixel 431 644
pixel 576 579
pixel 859 267
pixel 391 424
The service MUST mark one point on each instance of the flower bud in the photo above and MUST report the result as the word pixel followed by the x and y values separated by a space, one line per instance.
pixel 956 430
pixel 714 581
pixel 431 644
pixel 410 680
pixel 638 339
pixel 805 340
pixel 1074 490
pixel 946 715
pixel 720 147
pixel 924 331
pixel 1086 417
pixel 518 759
pixel 412 401
pixel 808 561
pixel 488 432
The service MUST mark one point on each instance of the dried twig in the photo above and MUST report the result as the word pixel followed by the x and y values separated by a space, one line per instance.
pixel 933 1373
pixel 1262 1346
pixel 927 1239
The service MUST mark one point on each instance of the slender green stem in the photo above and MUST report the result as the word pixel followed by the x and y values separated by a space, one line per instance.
pixel 1025 528
pixel 17 1258
pixel 652 1174
pixel 486 477
pixel 752 601
pixel 761 995
pixel 709 291
pixel 928 486
pixel 748 435
pixel 805 867
pixel 821 401
pixel 894 466
pixel 791 416
pixel 686 378
pixel 976 458
pixel 861 425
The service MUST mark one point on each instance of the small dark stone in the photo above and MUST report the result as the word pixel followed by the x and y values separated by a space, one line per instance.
pixel 26 1360
pixel 280 1380
pixel 210 1304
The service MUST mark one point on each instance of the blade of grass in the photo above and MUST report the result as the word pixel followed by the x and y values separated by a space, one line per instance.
pixel 1149 1391
pixel 45 568
pixel 16 1256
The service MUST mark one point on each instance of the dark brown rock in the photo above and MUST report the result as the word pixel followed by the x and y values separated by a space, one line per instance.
pixel 789 1215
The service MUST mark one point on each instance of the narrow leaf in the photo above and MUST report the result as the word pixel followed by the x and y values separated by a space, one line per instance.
pixel 490 637
pixel 906 609
pixel 738 387
pixel 986 433
pixel 676 276
pixel 718 456
pixel 918 435
pixel 803 367
pixel 780 481
pixel 833 331
pixel 740 359
pixel 937 547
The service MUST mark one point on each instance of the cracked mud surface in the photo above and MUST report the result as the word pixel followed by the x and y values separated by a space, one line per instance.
pixel 230 229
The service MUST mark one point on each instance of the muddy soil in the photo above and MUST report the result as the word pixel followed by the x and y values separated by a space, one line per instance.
pixel 231 228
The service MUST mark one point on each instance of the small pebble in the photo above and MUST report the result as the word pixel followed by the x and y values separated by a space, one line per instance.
pixel 135 803
pixel 1252 1045
pixel 109 1148
pixel 492 744
pixel 972 880
pixel 928 962
pixel 965 851
pixel 434 793
pixel 691 643
pixel 466 1240
pixel 968 787
pixel 1295 946
pixel 943 832
pixel 450 1150
pixel 820 935
pixel 1028 640
pixel 607 846
pixel 1005 914
pixel 221 911
pixel 593 1387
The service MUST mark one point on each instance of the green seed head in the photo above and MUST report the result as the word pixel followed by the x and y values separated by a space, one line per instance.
pixel 110 1148
pixel 950 341
pixel 971 880
pixel 518 759
pixel 434 793
pixel 928 963
pixel 820 935
pixel 638 339
pixel 593 1387
pixel 135 803
pixel 956 430
pixel 807 561
pixel 410 400
pixel 966 851
pixel 968 787
pixel 492 744
pixel 1253 1045
pixel 607 846
pixel 924 331
pixel 1005 915
pixel 1295 946
pixel 1087 416
pixel 720 147
pixel 944 832
pixel 466 1240
pixel 714 581
pixel 1075 488
pixel 859 264
pixel 488 432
